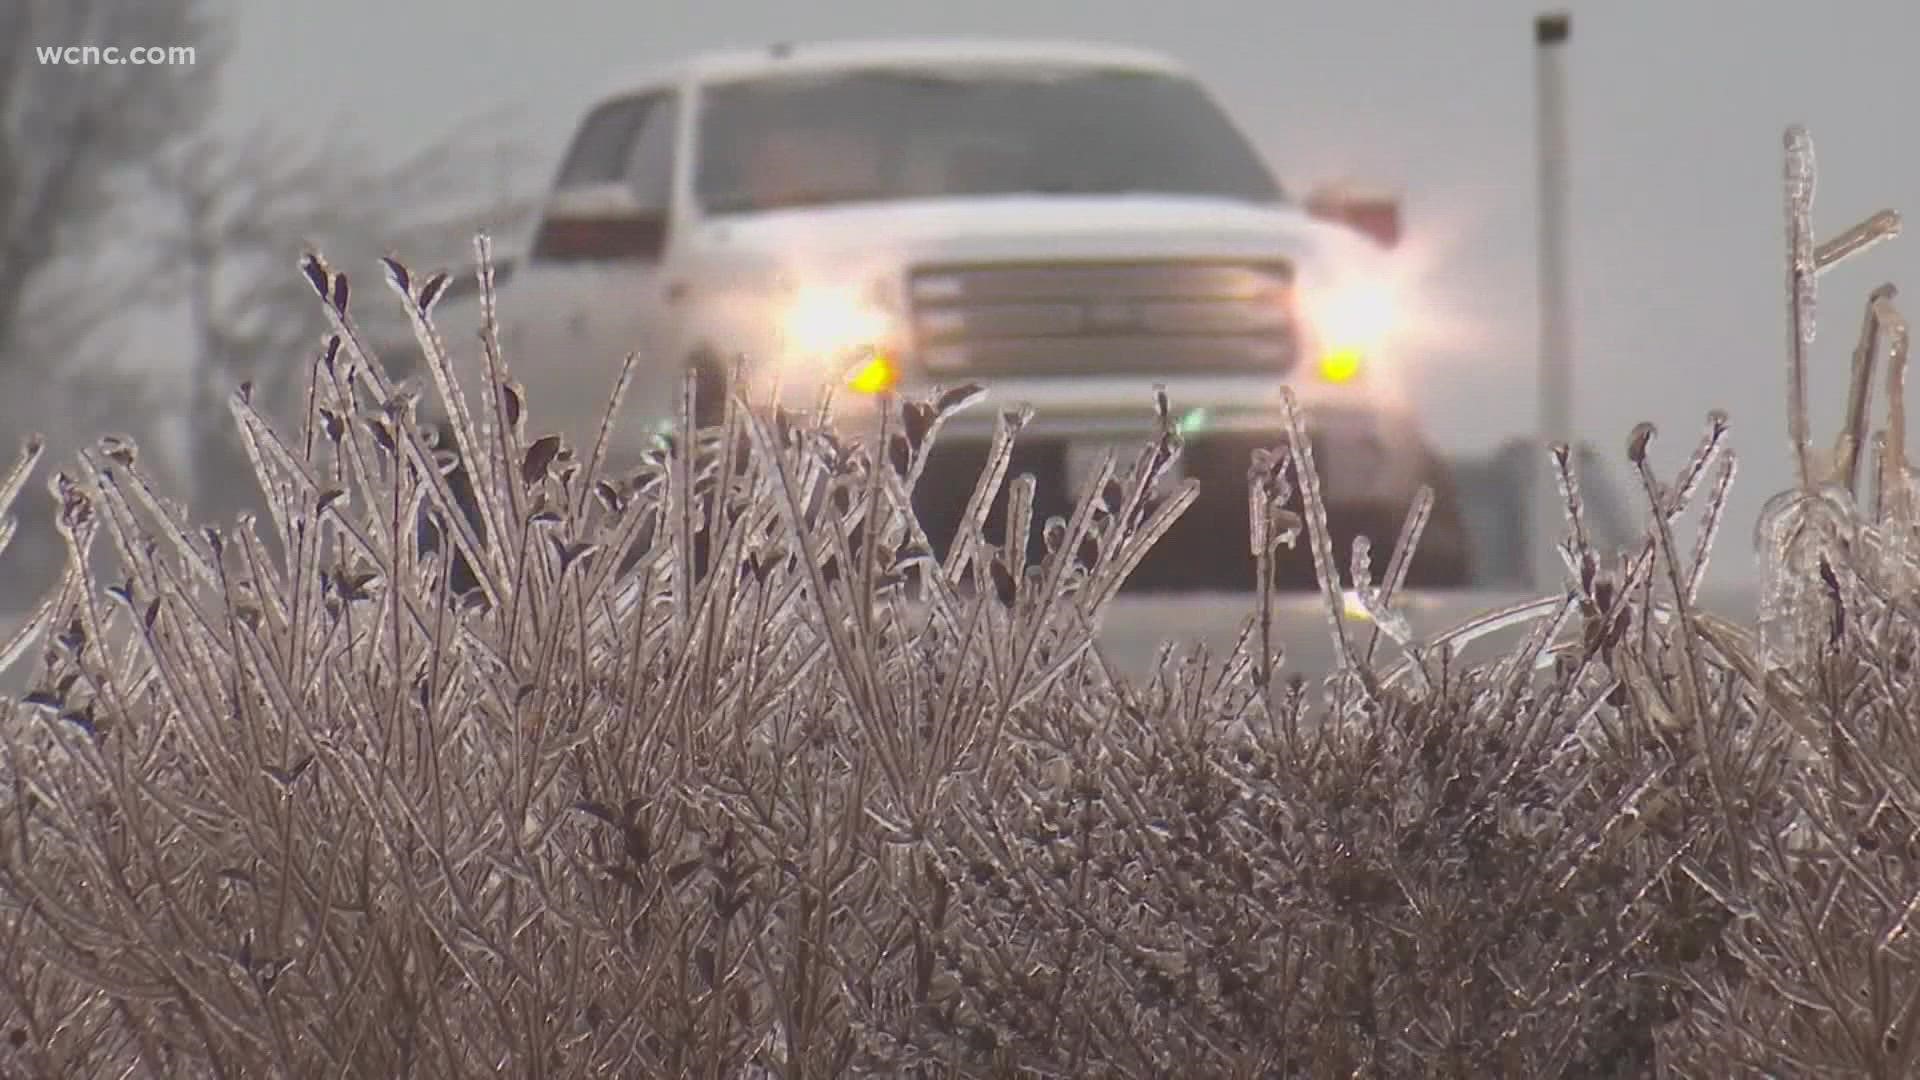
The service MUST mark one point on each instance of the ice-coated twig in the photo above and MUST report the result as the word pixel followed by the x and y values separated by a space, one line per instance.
pixel 1712 443
pixel 408 446
pixel 1852 442
pixel 1668 554
pixel 1380 607
pixel 1710 525
pixel 1125 561
pixel 1884 225
pixel 1466 633
pixel 1893 464
pixel 1269 526
pixel 31 451
pixel 603 438
pixel 1321 538
pixel 1020 498
pixel 1800 179
pixel 1578 545
pixel 1007 426
pixel 1133 535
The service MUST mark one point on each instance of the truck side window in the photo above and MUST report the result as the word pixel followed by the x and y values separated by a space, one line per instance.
pixel 600 150
pixel 628 143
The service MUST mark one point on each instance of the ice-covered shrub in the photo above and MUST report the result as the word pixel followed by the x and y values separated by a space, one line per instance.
pixel 709 767
pixel 1822 975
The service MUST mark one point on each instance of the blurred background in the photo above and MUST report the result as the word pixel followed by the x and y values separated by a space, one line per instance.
pixel 151 217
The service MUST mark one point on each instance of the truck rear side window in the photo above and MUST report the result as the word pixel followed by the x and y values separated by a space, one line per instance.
pixel 601 149
pixel 627 140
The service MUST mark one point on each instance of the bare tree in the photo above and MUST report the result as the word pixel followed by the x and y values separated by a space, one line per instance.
pixel 68 132
pixel 242 212
pixel 71 137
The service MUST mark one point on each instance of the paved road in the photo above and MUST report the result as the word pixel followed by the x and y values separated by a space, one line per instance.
pixel 1137 625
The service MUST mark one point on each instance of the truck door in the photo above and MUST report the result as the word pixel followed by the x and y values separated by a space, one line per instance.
pixel 595 293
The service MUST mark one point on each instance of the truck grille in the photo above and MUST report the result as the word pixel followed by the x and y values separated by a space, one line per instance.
pixel 1104 318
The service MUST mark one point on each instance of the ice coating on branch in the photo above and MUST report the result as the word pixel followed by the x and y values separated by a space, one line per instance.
pixel 1893 496
pixel 1884 225
pixel 1569 487
pixel 1710 524
pixel 1801 271
pixel 1796 531
pixel 1360 564
pixel 1318 533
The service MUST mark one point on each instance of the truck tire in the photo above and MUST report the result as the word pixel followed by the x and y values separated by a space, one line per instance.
pixel 1444 557
pixel 1441 561
pixel 709 388
pixel 1207 549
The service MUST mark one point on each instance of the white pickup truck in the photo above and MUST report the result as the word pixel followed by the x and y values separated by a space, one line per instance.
pixel 1065 224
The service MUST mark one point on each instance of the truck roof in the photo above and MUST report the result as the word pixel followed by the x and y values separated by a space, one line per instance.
pixel 726 64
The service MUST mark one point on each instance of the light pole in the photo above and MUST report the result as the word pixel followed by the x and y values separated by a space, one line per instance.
pixel 1550 34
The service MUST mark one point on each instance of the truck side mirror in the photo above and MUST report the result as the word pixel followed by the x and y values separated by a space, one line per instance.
pixel 600 224
pixel 1374 215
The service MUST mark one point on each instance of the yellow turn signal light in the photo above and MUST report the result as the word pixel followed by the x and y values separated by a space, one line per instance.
pixel 1340 365
pixel 876 376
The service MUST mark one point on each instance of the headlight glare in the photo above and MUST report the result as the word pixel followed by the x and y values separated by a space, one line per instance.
pixel 1351 324
pixel 827 323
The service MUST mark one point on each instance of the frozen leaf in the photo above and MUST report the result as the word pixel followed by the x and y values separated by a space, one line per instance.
pixel 916 419
pixel 1088 554
pixel 382 435
pixel 317 275
pixel 960 397
pixel 431 291
pixel 899 454
pixel 1053 533
pixel 397 275
pixel 569 553
pixel 539 456
pixel 286 777
pixel 119 449
pixel 510 403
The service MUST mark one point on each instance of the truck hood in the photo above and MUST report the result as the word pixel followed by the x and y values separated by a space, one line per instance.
pixel 858 239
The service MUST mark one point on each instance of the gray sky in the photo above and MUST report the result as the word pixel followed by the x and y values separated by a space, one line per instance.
pixel 1677 114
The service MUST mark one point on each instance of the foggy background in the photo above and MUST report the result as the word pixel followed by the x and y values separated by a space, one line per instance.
pixel 1677 112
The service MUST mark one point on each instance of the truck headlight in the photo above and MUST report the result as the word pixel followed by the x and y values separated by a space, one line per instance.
pixel 1351 324
pixel 828 322
pixel 831 325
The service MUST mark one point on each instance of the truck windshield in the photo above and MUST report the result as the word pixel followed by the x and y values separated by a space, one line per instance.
pixel 877 135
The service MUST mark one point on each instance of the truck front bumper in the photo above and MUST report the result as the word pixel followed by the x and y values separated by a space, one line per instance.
pixel 1370 466
pixel 1366 451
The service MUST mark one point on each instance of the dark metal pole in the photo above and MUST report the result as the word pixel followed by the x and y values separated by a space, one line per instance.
pixel 1550 34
